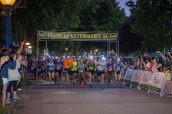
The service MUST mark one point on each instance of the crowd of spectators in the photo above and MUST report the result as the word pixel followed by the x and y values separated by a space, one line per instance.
pixel 10 76
pixel 153 64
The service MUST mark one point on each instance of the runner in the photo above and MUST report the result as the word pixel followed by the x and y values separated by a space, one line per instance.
pixel 58 69
pixel 81 67
pixel 74 71
pixel 110 71
pixel 118 71
pixel 43 71
pixel 91 70
pixel 67 68
pixel 101 68
pixel 51 68
pixel 33 69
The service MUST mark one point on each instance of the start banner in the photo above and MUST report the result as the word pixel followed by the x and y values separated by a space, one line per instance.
pixel 81 36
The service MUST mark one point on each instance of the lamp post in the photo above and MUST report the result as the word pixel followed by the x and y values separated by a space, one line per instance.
pixel 7 7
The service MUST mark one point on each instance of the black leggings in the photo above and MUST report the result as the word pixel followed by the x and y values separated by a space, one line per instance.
pixel 12 84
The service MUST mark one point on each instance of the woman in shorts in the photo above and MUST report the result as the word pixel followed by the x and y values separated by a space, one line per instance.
pixel 118 71
pixel 110 71
pixel 51 68
pixel 91 70
pixel 101 68
pixel 81 67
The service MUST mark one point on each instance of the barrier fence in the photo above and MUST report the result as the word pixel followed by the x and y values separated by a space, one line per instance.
pixel 154 81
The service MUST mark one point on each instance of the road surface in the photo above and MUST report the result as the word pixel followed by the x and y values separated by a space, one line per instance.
pixel 91 101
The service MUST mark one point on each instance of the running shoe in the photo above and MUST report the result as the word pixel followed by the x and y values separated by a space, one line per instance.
pixel 8 102
pixel 19 89
pixel 17 98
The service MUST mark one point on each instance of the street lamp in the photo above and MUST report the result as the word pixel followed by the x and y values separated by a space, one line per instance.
pixel 7 7
pixel 66 49
pixel 27 43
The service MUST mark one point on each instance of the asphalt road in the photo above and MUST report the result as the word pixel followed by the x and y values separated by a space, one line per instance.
pixel 91 101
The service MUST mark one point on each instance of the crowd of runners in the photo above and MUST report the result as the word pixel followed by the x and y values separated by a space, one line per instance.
pixel 91 71
pixel 74 70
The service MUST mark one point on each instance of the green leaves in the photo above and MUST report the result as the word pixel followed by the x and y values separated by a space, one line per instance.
pixel 152 20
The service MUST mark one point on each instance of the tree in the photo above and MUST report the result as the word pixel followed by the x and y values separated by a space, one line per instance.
pixel 152 20
pixel 65 15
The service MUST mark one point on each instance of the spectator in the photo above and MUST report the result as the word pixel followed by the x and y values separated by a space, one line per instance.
pixel 155 65
pixel 167 72
pixel 14 75
pixel 148 65
pixel 160 65
pixel 5 65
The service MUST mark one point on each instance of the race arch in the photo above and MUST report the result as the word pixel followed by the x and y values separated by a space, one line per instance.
pixel 107 37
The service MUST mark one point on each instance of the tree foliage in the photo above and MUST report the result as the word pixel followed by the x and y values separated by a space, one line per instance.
pixel 66 15
pixel 152 19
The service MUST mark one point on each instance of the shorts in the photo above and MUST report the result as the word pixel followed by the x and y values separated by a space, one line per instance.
pixel 43 71
pixel 73 72
pixel 92 72
pixel 5 80
pixel 118 72
pixel 12 84
pixel 32 71
pixel 100 73
pixel 50 71
pixel 59 72
pixel 68 71
pixel 110 72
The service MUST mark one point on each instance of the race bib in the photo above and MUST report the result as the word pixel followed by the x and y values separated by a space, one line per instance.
pixel 109 69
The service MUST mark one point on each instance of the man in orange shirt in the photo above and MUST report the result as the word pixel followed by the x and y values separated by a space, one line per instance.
pixel 68 65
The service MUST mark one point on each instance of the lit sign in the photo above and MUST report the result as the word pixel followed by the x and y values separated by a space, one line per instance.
pixel 76 35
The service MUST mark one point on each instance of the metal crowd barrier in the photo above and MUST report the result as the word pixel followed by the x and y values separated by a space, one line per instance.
pixel 153 81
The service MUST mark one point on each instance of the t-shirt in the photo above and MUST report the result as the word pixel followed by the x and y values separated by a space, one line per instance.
pixel 33 66
pixel 43 68
pixel 59 65
pixel 118 67
pixel 81 68
pixel 51 67
pixel 110 67
pixel 68 63
pixel 65 63
pixel 14 75
pixel 101 66
pixel 74 66
pixel 91 66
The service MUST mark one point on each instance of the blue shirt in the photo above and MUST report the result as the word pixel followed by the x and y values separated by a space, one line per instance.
pixel 110 67
pixel 8 65
pixel 59 65
pixel 51 67
pixel 101 67
pixel 118 67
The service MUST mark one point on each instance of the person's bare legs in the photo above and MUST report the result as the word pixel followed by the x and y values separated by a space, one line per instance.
pixel 102 79
pixel 90 78
pixel 4 94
